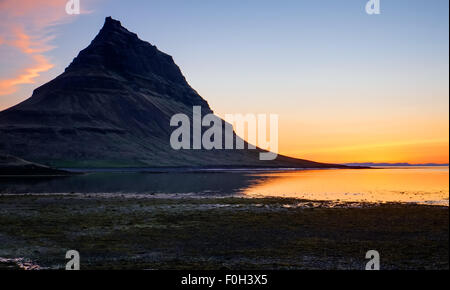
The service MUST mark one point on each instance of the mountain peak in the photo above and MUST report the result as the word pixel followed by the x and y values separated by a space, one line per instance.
pixel 113 30
pixel 115 49
pixel 110 22
pixel 113 25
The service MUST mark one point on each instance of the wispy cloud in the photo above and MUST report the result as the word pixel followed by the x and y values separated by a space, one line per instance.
pixel 28 27
pixel 27 76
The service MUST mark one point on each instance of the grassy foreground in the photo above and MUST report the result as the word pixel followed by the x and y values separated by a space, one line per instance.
pixel 220 233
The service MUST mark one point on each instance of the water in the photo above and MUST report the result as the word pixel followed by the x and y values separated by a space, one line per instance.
pixel 424 185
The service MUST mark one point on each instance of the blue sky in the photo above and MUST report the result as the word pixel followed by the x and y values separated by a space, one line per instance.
pixel 300 59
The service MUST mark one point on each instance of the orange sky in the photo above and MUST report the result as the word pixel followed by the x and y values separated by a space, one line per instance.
pixel 24 28
pixel 346 141
pixel 380 97
pixel 398 139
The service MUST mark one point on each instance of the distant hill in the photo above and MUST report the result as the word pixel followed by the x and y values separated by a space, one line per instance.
pixel 395 164
pixel 111 107
pixel 10 165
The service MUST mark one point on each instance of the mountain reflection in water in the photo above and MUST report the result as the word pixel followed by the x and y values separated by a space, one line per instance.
pixel 428 185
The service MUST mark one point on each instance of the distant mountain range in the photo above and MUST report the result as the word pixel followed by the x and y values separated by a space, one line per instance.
pixel 395 164
pixel 111 107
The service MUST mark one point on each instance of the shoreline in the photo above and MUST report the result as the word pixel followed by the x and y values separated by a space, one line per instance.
pixel 296 202
pixel 221 233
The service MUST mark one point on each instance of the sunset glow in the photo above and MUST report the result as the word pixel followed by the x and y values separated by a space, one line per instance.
pixel 225 143
pixel 374 89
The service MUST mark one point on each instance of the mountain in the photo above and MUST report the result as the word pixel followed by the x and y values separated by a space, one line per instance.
pixel 111 107
pixel 10 165
pixel 395 164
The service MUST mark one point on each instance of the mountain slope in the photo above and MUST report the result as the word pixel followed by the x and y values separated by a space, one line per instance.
pixel 10 165
pixel 111 108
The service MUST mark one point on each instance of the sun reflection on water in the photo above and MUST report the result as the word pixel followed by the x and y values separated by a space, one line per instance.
pixel 427 185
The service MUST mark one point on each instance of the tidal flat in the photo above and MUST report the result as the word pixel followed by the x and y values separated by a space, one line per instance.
pixel 122 232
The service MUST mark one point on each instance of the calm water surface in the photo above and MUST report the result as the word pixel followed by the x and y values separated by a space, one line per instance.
pixel 419 185
pixel 429 185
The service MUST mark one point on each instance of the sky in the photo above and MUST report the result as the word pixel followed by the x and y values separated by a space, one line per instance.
pixel 347 86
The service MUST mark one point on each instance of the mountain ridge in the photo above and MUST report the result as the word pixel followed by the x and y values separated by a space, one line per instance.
pixel 111 107
pixel 394 164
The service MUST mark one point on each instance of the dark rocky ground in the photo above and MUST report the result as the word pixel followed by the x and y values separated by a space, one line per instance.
pixel 220 233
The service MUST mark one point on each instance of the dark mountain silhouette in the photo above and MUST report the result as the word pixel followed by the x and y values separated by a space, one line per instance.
pixel 111 107
pixel 10 165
